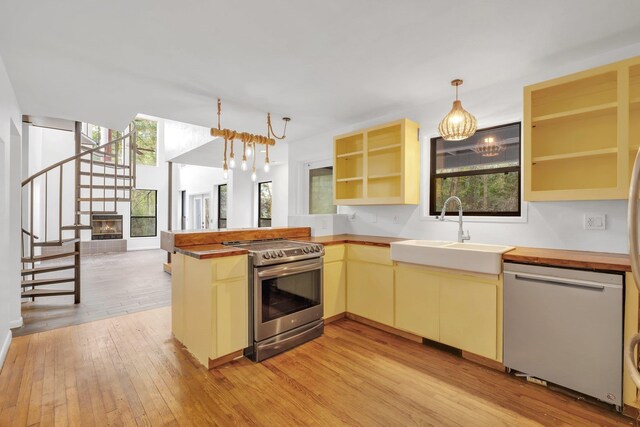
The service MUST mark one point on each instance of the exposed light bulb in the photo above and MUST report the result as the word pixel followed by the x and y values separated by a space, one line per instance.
pixel 243 165
pixel 254 177
pixel 249 151
pixel 225 174
pixel 232 163
pixel 266 166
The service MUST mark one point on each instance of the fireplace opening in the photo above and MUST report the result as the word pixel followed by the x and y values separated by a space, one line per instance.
pixel 106 227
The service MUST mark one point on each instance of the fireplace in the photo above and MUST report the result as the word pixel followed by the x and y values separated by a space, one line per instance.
pixel 106 227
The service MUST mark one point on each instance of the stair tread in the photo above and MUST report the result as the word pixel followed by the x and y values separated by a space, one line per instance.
pixel 46 293
pixel 101 163
pixel 105 175
pixel 104 199
pixel 40 270
pixel 98 212
pixel 37 258
pixel 57 242
pixel 50 281
pixel 76 227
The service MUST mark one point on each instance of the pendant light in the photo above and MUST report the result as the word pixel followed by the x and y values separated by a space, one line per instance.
pixel 243 165
pixel 232 160
pixel 489 147
pixel 459 124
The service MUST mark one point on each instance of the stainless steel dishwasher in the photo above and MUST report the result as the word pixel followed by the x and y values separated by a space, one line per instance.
pixel 565 326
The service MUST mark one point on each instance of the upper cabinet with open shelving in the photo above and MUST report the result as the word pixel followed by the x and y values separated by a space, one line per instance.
pixel 378 165
pixel 578 133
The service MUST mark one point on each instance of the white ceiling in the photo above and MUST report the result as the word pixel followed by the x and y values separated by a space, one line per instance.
pixel 325 63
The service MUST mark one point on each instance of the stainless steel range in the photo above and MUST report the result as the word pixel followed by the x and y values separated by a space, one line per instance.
pixel 285 295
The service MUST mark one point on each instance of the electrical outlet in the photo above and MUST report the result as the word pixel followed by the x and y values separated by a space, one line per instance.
pixel 595 221
pixel 352 217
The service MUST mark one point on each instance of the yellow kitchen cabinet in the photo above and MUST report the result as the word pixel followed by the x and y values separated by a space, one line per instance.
pixel 417 301
pixel 469 314
pixel 579 132
pixel 334 288
pixel 379 165
pixel 370 287
pixel 209 305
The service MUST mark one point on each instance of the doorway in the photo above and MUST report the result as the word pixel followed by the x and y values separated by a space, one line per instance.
pixel 201 212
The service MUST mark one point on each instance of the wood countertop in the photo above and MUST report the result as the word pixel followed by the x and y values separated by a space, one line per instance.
pixel 353 238
pixel 566 258
pixel 215 250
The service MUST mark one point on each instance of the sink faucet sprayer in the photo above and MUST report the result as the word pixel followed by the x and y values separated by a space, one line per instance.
pixel 461 236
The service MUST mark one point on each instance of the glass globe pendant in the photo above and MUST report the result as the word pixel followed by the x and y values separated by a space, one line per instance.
pixel 459 124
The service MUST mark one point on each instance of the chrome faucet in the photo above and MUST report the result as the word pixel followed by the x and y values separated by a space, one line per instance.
pixel 461 236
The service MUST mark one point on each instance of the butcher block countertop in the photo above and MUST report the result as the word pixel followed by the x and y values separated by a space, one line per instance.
pixel 353 238
pixel 573 259
pixel 214 250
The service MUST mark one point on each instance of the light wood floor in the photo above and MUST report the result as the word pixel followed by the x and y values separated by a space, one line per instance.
pixel 129 370
pixel 112 285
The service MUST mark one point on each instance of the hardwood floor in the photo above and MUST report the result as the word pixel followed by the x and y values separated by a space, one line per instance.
pixel 112 285
pixel 128 370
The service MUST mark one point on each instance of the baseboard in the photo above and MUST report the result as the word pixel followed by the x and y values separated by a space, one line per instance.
pixel 16 323
pixel 335 317
pixel 166 267
pixel 215 363
pixel 4 349
pixel 484 361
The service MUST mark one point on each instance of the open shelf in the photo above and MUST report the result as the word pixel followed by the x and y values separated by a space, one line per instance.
pixel 384 176
pixel 352 154
pixel 355 178
pixel 584 111
pixel 383 149
pixel 592 153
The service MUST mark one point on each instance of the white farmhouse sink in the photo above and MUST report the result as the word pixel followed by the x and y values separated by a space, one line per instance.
pixel 474 257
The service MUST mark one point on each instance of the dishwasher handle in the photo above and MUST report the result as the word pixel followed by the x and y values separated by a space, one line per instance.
pixel 559 281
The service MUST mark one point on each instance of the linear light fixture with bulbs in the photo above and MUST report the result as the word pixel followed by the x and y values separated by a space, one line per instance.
pixel 249 142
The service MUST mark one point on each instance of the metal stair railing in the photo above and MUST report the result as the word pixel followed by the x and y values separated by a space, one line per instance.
pixel 114 162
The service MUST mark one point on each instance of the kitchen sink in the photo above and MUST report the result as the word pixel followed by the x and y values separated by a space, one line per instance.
pixel 475 257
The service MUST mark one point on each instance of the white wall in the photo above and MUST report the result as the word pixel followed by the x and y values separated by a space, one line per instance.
pixel 195 180
pixel 10 175
pixel 545 224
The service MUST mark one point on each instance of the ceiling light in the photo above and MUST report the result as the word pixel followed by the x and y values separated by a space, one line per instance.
pixel 459 124
pixel 249 142
pixel 489 147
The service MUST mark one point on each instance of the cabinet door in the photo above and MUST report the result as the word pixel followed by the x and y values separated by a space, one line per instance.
pixel 232 317
pixel 468 315
pixel 334 288
pixel 416 303
pixel 370 291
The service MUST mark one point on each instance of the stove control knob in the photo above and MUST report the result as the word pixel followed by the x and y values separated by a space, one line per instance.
pixel 305 249
pixel 317 248
pixel 273 255
pixel 280 254
pixel 266 255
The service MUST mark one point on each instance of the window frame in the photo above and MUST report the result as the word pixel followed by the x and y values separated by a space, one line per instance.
pixel 131 216
pixel 308 189
pixel 220 218
pixel 433 176
pixel 260 204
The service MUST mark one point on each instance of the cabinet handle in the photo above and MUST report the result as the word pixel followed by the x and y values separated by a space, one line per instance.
pixel 556 281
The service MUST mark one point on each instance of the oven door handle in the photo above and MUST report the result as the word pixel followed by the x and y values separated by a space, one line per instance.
pixel 281 342
pixel 287 270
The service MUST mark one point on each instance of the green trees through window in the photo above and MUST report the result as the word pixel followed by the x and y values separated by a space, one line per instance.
pixel 487 180
pixel 147 141
pixel 264 204
pixel 143 213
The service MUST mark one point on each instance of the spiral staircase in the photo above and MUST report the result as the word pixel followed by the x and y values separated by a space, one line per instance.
pixel 103 176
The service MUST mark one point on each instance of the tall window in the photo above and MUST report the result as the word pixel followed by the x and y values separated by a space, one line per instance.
pixel 143 213
pixel 483 171
pixel 222 206
pixel 147 141
pixel 264 204
pixel 321 191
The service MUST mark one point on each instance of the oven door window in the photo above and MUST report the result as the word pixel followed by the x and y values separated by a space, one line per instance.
pixel 290 294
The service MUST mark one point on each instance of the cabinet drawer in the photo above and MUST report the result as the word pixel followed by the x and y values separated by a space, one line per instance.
pixel 229 267
pixel 369 254
pixel 334 253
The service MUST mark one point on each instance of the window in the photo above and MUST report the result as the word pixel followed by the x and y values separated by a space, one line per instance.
pixel 488 183
pixel 222 206
pixel 264 204
pixel 143 213
pixel 147 141
pixel 321 191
